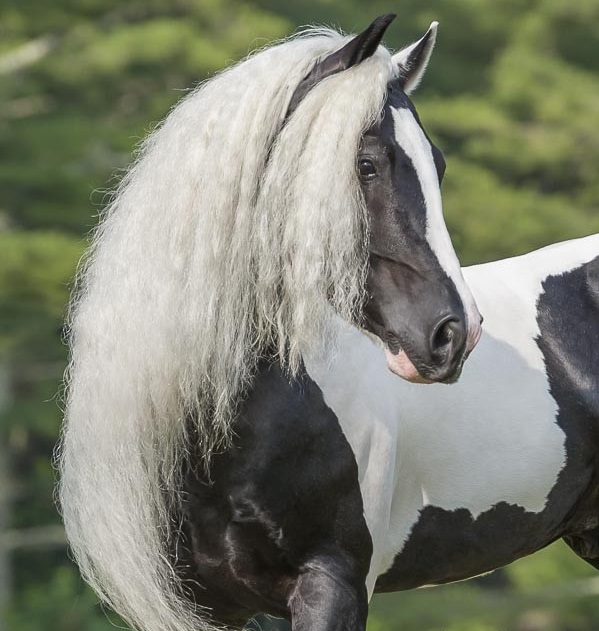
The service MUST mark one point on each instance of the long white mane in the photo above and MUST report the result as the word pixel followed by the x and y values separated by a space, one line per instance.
pixel 230 236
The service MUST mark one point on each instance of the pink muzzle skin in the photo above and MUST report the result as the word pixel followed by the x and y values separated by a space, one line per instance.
pixel 474 334
pixel 402 366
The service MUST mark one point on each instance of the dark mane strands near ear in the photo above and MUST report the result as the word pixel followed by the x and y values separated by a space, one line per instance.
pixel 358 49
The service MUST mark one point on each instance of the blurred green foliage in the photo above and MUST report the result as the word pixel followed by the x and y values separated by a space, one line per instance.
pixel 511 96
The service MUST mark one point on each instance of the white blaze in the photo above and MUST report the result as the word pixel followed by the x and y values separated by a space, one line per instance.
pixel 410 137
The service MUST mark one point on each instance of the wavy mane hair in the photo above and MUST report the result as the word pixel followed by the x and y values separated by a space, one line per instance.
pixel 231 236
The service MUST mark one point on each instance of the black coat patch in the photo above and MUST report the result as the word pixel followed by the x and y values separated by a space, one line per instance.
pixel 282 515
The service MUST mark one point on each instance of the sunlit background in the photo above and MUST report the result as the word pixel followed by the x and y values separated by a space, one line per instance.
pixel 512 97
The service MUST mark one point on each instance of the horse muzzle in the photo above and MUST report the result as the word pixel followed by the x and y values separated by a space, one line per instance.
pixel 427 326
pixel 439 360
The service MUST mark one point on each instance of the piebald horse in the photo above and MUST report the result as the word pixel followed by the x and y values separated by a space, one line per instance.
pixel 204 477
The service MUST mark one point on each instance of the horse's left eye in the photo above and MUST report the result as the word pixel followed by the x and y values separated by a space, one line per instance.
pixel 366 169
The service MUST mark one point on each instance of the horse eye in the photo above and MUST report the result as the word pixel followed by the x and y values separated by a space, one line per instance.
pixel 366 169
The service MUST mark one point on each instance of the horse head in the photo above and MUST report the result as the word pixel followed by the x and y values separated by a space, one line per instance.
pixel 417 303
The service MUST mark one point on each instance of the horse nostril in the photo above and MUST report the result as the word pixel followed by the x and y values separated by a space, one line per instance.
pixel 447 334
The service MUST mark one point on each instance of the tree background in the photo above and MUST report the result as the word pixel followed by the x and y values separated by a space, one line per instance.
pixel 512 97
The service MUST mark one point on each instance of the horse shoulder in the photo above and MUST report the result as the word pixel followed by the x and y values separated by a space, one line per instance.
pixel 283 511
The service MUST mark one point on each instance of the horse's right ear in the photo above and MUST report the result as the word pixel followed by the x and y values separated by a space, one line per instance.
pixel 355 51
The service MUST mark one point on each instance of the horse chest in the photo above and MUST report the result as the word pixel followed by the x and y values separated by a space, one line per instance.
pixel 442 468
pixel 477 465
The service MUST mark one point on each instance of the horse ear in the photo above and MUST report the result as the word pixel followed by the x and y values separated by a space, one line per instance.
pixel 355 51
pixel 411 62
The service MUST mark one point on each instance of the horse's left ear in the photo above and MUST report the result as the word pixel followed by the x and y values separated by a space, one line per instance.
pixel 355 51
pixel 411 62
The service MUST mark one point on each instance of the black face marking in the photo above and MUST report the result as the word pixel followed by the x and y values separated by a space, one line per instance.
pixel 439 163
pixel 282 524
pixel 407 289
pixel 450 545
pixel 592 280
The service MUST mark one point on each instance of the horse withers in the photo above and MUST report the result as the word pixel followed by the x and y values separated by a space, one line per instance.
pixel 203 476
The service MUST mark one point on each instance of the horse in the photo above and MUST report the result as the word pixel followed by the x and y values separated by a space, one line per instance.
pixel 203 478
pixel 458 481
